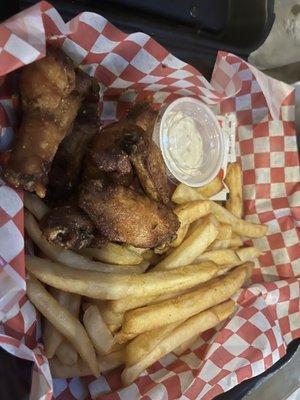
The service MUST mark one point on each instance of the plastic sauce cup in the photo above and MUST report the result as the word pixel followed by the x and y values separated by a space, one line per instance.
pixel 191 141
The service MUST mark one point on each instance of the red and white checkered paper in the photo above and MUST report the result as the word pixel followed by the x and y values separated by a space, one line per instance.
pixel 131 67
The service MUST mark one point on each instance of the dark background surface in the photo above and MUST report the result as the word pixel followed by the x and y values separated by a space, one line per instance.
pixel 193 30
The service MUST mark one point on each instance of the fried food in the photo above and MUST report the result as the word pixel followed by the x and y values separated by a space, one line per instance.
pixel 66 353
pixel 234 182
pixel 35 205
pixel 51 92
pixel 64 322
pixel 123 215
pixel 114 253
pixel 68 227
pixel 148 163
pixel 64 175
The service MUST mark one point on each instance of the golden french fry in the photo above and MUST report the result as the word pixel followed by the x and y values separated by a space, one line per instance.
pixel 97 330
pixel 69 257
pixel 234 242
pixel 122 337
pixel 63 320
pixel 188 329
pixel 184 194
pixel 229 256
pixel 190 212
pixel 130 303
pixel 113 327
pixel 104 363
pixel 110 317
pixel 234 182
pixel 225 232
pixel 239 226
pixel 104 286
pixel 113 253
pixel 248 253
pixel 35 205
pixel 66 353
pixel 181 234
pixel 170 311
pixel 192 247
pixel 140 346
pixel 185 345
pixel 211 188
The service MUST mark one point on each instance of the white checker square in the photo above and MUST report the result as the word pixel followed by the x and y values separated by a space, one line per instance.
pixel 245 74
pixel 235 345
pixel 294 199
pixel 29 315
pixel 262 175
pixel 294 290
pixel 95 21
pixel 103 45
pixel 249 192
pixel 109 110
pixel 59 385
pixel 258 367
pixel 292 174
pixel 273 227
pixel 182 84
pixel 185 92
pixel 236 363
pixel 294 321
pixel 260 115
pixel 235 323
pixel 245 132
pixel 287 338
pixel 74 51
pixel 276 128
pixel 168 359
pixel 277 190
pixel 180 74
pixel 10 201
pixel 157 392
pixel 280 256
pixel 150 79
pixel 255 88
pixel 262 343
pixel 263 205
pixel 243 102
pixel 120 84
pixel 228 381
pixel 209 371
pixel 21 49
pixel 98 386
pixel 161 374
pixel 276 355
pixel 155 87
pixel 290 237
pixel 173 62
pixel 288 113
pixel 282 308
pixel 129 392
pixel 226 67
pixel 270 273
pixel 11 241
pixel 144 61
pixel 247 162
pixel 191 360
pixel 277 159
pixel 139 38
pixel 160 97
pixel 261 145
pixel 296 267
pixel 78 389
pixel 114 63
pixel 290 143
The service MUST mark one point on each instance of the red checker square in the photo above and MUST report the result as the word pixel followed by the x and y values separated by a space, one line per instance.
pixel 218 377
pixel 113 33
pixel 262 160
pixel 227 105
pixel 294 251
pixel 221 78
pixel 294 306
pixel 15 327
pixel 18 264
pixel 4 218
pixel 244 373
pixel 289 100
pixel 263 190
pixel 8 62
pixel 291 158
pixel 144 384
pixel 87 39
pixel 252 354
pixel 200 351
pixel 223 336
pixel 167 81
pixel 284 324
pixel 128 49
pixel 249 206
pixel 276 143
pixel 114 378
pixel 246 88
pixel 130 73
pixel 261 130
pixel 93 58
pixel 173 387
pixel 213 392
pixel 221 357
pixel 266 216
pixel 248 312
pixel 30 338
pixel 258 100
pixel 286 223
pixel 289 128
pixel 193 391
pixel 23 300
pixel 277 175
pixel 268 361
pixel 246 147
pixel 159 52
pixel 178 366
pixel 291 187
pixel 104 75
pixel 285 271
pixel 162 70
pixel 280 203
pixel 276 241
pixel 244 117
pixel 191 69
pixel 193 79
pixel 272 339
pixel 266 259
pixel 248 331
pixel 4 35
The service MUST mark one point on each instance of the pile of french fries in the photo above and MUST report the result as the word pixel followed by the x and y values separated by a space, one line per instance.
pixel 120 305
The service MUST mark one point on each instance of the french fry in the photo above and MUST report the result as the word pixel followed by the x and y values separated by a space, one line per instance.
pixel 239 226
pixel 35 205
pixel 190 212
pixel 64 322
pixel 66 353
pixel 248 253
pixel 113 253
pixel 110 317
pixel 188 329
pixel 184 194
pixel 70 258
pixel 234 241
pixel 192 247
pixel 181 234
pixel 234 183
pixel 113 327
pixel 211 188
pixel 229 256
pixel 104 363
pixel 225 232
pixel 140 346
pixel 170 311
pixel 122 337
pixel 97 330
pixel 182 348
pixel 104 286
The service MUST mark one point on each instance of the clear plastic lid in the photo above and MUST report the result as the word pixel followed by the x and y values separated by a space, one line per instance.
pixel 191 141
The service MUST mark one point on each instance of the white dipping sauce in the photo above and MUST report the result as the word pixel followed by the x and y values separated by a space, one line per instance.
pixel 185 142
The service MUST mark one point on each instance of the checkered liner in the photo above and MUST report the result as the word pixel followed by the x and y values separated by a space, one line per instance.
pixel 132 67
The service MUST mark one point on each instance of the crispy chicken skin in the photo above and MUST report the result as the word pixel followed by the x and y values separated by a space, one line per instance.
pixel 68 227
pixel 122 215
pixel 51 93
pixel 65 171
pixel 148 163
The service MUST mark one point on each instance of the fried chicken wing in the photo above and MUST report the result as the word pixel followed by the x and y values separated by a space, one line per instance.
pixel 66 167
pixel 148 163
pixel 122 215
pixel 51 93
pixel 68 227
